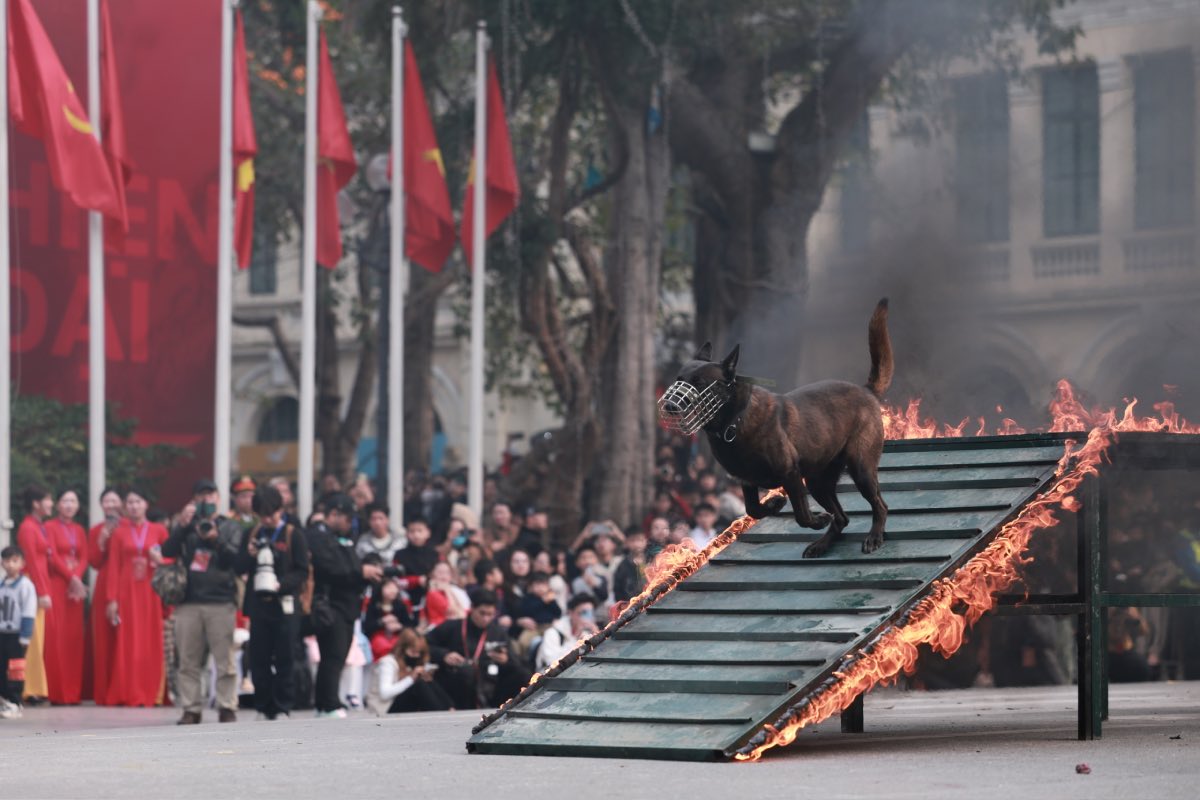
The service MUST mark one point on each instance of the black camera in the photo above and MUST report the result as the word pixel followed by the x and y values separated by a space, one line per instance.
pixel 205 526
pixel 393 571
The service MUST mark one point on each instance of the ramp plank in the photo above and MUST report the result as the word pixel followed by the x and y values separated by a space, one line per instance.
pixel 591 676
pixel 761 602
pixel 934 523
pixel 788 552
pixel 694 742
pixel 678 707
pixel 664 625
pixel 814 575
pixel 702 652
pixel 999 456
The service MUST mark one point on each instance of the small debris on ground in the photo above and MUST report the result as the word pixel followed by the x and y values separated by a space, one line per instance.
pixel 1177 736
pixel 1083 769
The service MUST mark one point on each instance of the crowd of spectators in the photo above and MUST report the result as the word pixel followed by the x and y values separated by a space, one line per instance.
pixel 427 607
pixel 234 602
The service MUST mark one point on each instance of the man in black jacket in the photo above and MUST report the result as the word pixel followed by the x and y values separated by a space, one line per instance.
pixel 208 545
pixel 340 577
pixel 477 667
pixel 273 602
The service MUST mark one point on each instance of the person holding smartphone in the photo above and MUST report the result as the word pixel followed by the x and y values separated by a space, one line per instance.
pixel 476 665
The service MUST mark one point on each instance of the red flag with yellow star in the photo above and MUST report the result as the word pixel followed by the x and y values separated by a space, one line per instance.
pixel 245 148
pixel 336 164
pixel 428 220
pixel 44 105
pixel 501 188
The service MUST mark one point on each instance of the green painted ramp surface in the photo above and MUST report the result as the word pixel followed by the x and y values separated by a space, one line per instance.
pixel 757 627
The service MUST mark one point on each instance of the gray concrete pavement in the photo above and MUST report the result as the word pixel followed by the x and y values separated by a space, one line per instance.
pixel 980 743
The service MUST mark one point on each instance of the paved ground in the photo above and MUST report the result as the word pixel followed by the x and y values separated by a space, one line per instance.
pixel 970 744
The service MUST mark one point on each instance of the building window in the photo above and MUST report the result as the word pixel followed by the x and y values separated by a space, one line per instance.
pixel 981 152
pixel 855 178
pixel 281 422
pixel 262 264
pixel 1164 114
pixel 1071 151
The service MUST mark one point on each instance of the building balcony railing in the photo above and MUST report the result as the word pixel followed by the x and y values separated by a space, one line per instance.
pixel 1161 251
pixel 991 262
pixel 1066 259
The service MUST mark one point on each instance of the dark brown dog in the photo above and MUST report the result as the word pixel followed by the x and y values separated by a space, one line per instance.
pixel 807 436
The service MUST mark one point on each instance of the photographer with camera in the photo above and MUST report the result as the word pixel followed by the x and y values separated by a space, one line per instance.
pixel 477 667
pixel 339 576
pixel 275 554
pixel 208 545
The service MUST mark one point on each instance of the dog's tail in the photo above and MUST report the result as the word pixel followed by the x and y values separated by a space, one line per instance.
pixel 881 350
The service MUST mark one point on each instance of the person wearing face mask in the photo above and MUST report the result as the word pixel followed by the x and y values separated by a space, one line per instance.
pixel 476 663
pixel 561 637
pixel 402 680
pixel 208 544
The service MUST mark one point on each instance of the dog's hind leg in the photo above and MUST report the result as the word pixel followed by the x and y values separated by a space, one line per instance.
pixel 755 507
pixel 824 491
pixel 866 478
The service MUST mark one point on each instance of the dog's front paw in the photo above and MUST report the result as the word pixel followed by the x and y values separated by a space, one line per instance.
pixel 817 521
pixel 872 543
pixel 817 549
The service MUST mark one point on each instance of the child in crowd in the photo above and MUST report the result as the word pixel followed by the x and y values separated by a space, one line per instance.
pixel 18 609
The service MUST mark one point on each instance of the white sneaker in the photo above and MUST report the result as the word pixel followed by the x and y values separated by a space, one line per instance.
pixel 337 713
pixel 10 710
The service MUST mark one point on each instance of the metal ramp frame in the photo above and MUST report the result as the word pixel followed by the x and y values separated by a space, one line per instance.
pixel 703 668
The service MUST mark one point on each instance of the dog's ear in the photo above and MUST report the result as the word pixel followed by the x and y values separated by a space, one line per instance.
pixel 704 353
pixel 729 365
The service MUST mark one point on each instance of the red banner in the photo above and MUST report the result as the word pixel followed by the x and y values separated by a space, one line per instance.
pixel 161 282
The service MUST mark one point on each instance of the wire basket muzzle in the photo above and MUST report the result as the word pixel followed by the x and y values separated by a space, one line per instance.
pixel 686 409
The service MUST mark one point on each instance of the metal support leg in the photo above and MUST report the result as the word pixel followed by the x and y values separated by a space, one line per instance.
pixel 1092 520
pixel 1083 631
pixel 852 717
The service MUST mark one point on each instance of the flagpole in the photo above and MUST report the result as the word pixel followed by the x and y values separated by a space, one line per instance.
pixel 97 439
pixel 222 415
pixel 5 358
pixel 398 277
pixel 478 277
pixel 308 263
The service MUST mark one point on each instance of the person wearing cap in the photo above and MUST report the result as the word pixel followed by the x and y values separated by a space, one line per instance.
pixel 208 544
pixel 274 615
pixel 339 577
pixel 242 491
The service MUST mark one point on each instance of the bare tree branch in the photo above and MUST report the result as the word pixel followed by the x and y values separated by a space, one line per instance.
pixel 272 324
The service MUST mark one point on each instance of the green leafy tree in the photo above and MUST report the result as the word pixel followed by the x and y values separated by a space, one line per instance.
pixel 49 448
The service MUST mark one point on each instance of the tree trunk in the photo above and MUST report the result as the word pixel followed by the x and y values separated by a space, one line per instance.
pixel 338 431
pixel 420 314
pixel 624 481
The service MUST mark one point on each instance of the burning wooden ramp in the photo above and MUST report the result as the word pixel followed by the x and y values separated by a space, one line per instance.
pixel 758 628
